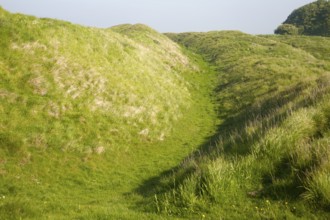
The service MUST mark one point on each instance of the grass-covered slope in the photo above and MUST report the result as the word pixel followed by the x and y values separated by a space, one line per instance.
pixel 316 46
pixel 53 71
pixel 271 157
pixel 87 115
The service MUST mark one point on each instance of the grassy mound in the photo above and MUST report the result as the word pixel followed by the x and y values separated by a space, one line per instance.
pixel 58 74
pixel 271 154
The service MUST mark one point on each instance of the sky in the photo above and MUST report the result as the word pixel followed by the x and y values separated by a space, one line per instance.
pixel 249 16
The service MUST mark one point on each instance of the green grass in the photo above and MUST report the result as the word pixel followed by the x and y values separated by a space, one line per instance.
pixel 123 123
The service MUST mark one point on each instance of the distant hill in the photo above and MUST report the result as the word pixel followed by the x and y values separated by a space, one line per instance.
pixel 311 19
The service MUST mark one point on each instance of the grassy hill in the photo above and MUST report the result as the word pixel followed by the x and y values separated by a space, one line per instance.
pixel 90 71
pixel 123 123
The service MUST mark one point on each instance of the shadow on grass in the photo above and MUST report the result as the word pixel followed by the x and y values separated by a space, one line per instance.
pixel 267 114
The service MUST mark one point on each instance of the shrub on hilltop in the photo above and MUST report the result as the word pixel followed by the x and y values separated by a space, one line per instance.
pixel 311 19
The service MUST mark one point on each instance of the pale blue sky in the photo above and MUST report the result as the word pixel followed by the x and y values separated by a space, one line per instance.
pixel 250 16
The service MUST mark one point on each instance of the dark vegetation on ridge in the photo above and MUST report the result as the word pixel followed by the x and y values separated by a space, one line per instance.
pixel 128 123
pixel 311 19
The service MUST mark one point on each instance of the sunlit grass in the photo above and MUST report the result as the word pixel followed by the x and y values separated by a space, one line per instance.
pixel 98 123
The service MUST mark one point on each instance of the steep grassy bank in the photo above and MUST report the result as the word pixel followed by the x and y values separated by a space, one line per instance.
pixel 271 159
pixel 88 115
